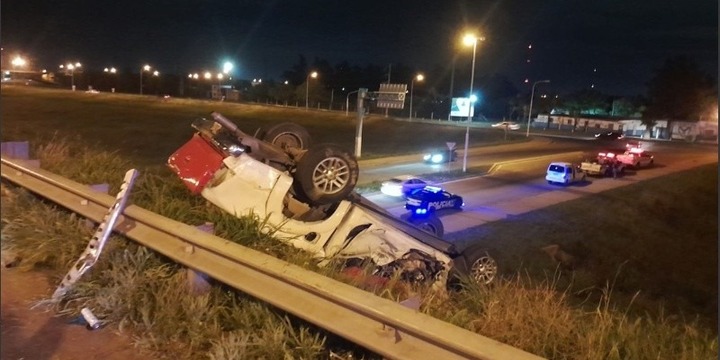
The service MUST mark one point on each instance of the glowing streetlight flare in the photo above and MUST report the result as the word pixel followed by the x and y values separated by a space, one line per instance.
pixel 18 61
pixel 227 67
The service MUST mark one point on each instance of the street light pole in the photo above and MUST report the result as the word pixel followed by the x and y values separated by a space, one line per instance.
pixel 419 77
pixel 469 38
pixel 532 95
pixel 144 68
pixel 307 87
pixel 72 76
pixel 347 102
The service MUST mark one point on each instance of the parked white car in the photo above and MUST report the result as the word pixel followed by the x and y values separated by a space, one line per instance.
pixel 510 125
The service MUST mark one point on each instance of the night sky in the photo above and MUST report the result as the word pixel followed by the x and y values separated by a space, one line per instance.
pixel 614 44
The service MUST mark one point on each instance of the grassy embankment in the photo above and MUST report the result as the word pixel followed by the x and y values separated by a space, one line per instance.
pixel 544 314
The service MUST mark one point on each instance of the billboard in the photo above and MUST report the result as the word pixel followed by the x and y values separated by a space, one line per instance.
pixel 461 106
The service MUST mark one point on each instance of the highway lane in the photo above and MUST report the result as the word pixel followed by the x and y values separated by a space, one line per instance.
pixel 382 169
pixel 517 184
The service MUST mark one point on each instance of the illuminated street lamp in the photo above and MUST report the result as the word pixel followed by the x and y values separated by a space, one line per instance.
pixel 313 75
pixel 207 75
pixel 532 94
pixel 419 77
pixel 468 40
pixel 144 68
pixel 111 70
pixel 227 67
pixel 71 68
pixel 18 61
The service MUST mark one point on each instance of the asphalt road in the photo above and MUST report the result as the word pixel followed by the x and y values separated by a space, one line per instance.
pixel 517 183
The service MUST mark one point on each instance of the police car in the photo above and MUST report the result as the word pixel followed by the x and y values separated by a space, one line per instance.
pixel 430 199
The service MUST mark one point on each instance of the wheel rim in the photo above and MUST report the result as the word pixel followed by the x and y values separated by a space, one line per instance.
pixel 483 270
pixel 331 175
pixel 287 140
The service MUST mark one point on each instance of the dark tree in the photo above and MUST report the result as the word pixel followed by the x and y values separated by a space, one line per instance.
pixel 586 101
pixel 678 91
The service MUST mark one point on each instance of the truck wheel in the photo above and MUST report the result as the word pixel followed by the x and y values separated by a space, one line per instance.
pixel 287 135
pixel 326 174
pixel 428 223
pixel 482 267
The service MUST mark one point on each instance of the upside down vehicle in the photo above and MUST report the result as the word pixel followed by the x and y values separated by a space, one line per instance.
pixel 305 194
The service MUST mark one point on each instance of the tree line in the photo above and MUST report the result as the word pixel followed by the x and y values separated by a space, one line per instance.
pixel 678 90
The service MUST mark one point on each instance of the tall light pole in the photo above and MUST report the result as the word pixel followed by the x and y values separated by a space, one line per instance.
pixel 468 40
pixel 532 94
pixel 347 102
pixel 419 77
pixel 144 68
pixel 313 75
pixel 71 67
pixel 111 70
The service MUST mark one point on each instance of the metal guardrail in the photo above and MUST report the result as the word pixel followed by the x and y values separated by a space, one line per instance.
pixel 380 325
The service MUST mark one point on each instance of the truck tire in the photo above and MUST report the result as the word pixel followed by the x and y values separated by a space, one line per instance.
pixel 429 223
pixel 326 174
pixel 287 135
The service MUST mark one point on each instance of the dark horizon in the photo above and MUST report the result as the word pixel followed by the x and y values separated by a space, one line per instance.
pixel 613 46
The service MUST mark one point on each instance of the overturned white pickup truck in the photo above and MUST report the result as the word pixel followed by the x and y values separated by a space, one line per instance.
pixel 306 196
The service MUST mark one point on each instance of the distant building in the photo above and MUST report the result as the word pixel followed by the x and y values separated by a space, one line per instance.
pixel 679 130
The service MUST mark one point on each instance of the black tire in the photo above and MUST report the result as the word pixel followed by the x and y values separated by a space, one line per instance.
pixel 287 135
pixel 326 174
pixel 482 268
pixel 429 223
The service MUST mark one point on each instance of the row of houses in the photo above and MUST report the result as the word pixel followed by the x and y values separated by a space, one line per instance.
pixel 662 129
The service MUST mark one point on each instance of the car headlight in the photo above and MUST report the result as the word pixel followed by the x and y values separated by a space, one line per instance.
pixel 427 157
pixel 436 158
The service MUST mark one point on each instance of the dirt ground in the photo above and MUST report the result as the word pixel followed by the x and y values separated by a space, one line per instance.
pixel 30 334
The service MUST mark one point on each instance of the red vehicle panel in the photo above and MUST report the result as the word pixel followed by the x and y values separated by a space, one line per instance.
pixel 196 163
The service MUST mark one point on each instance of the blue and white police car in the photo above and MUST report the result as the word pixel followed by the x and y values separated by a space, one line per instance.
pixel 430 199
